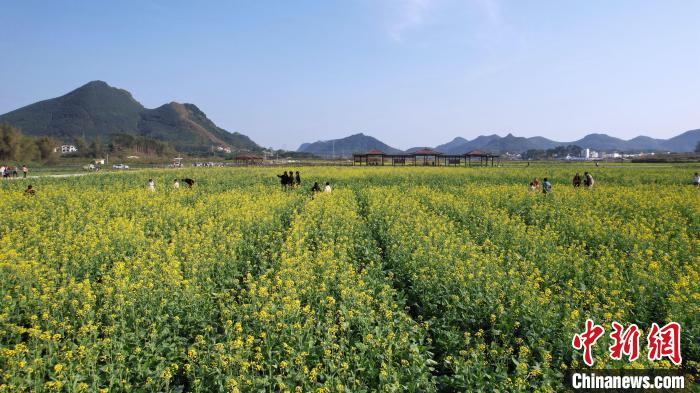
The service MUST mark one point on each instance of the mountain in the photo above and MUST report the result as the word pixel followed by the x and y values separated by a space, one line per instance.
pixel 99 110
pixel 453 144
pixel 187 126
pixel 415 149
pixel 345 147
pixel 601 142
pixel 684 142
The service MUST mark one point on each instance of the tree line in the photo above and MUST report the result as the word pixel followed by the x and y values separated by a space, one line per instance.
pixel 15 146
pixel 121 144
pixel 557 152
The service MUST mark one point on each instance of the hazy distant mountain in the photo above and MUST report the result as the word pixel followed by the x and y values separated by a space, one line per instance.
pixel 360 143
pixel 345 147
pixel 455 143
pixel 415 149
pixel 493 143
pixel 683 142
pixel 601 142
pixel 97 109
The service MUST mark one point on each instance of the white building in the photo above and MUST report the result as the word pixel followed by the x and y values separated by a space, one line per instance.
pixel 612 155
pixel 65 149
pixel 588 154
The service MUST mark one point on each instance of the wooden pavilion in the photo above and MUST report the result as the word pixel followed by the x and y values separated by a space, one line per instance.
pixel 425 157
pixel 429 157
pixel 482 156
pixel 248 159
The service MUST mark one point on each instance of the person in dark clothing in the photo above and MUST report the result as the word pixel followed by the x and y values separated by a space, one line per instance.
pixel 189 182
pixel 316 187
pixel 284 180
pixel 546 187
pixel 297 179
pixel 588 179
pixel 577 180
pixel 29 190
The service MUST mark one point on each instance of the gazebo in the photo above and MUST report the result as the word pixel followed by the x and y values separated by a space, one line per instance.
pixel 374 157
pixel 424 157
pixel 482 156
pixel 248 159
pixel 428 155
pixel 377 157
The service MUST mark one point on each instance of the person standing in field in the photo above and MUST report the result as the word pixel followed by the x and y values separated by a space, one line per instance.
pixel 315 189
pixel 25 170
pixel 536 183
pixel 588 179
pixel 176 184
pixel 297 180
pixel 151 185
pixel 696 180
pixel 284 180
pixel 577 180
pixel 546 187
pixel 327 188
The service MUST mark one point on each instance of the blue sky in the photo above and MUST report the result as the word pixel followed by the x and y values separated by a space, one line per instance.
pixel 409 72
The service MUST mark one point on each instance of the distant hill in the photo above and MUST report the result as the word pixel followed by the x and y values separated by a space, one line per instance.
pixel 99 110
pixel 684 142
pixel 415 149
pixel 345 147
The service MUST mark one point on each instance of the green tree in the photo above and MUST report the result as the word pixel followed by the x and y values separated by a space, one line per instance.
pixel 81 145
pixel 28 150
pixel 96 148
pixel 46 146
pixel 10 142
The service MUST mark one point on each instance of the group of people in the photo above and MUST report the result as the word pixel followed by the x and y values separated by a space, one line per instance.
pixel 176 184
pixel 546 185
pixel 587 180
pixel 316 188
pixel 290 180
pixel 11 171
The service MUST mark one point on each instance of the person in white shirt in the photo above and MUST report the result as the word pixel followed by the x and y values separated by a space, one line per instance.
pixel 151 185
pixel 176 185
pixel 327 188
pixel 696 180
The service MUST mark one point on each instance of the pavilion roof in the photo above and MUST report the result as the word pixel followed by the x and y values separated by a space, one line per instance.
pixel 248 157
pixel 427 152
pixel 375 152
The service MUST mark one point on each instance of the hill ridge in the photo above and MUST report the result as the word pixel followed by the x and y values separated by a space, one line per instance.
pixel 97 109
